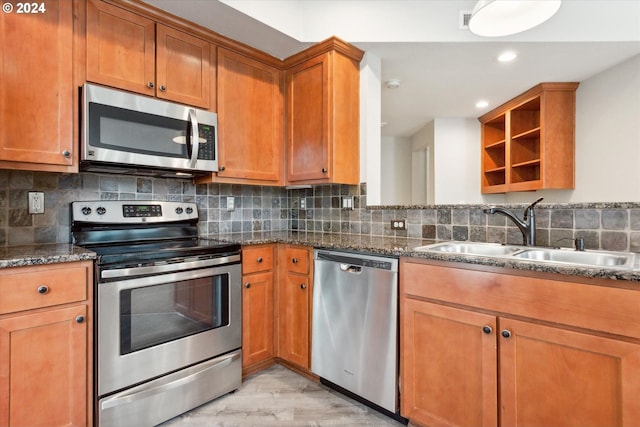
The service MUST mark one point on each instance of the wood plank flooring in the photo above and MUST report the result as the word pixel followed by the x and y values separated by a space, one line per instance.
pixel 280 397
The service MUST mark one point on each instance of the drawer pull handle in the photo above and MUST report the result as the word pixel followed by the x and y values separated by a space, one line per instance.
pixel 43 289
pixel 80 319
pixel 487 329
pixel 506 333
pixel 247 285
pixel 294 260
pixel 303 286
pixel 259 259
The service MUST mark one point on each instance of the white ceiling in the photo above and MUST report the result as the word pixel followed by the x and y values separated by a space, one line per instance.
pixel 443 69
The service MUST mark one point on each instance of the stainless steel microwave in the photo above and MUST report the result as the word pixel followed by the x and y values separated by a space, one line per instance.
pixel 134 134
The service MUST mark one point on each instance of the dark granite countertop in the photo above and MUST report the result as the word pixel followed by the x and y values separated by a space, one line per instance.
pixel 393 246
pixel 20 256
pixel 17 256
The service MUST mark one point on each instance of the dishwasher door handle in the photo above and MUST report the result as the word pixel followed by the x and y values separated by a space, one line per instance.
pixel 350 268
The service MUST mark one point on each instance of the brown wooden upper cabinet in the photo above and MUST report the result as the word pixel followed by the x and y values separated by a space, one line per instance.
pixel 250 120
pixel 528 142
pixel 38 102
pixel 323 114
pixel 131 52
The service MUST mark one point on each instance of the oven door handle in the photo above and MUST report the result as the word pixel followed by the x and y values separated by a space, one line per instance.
pixel 142 392
pixel 168 268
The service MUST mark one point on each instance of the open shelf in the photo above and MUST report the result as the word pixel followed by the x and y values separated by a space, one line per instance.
pixel 528 142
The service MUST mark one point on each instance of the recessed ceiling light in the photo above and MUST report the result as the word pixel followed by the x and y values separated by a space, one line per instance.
pixel 393 84
pixel 482 104
pixel 507 56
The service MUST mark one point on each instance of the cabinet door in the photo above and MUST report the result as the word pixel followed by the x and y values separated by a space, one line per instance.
pixel 43 369
pixel 120 48
pixel 556 377
pixel 182 67
pixel 257 318
pixel 308 150
pixel 250 119
pixel 36 85
pixel 293 319
pixel 448 366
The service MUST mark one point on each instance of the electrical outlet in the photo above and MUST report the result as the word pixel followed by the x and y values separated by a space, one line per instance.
pixel 347 203
pixel 231 203
pixel 398 224
pixel 36 202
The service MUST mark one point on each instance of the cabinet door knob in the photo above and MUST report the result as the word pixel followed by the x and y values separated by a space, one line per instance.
pixel 163 88
pixel 247 285
pixel 222 168
pixel 506 333
pixel 259 260
pixel 79 319
pixel 324 170
pixel 150 85
pixel 303 286
pixel 66 153
pixel 43 289
pixel 294 260
pixel 487 329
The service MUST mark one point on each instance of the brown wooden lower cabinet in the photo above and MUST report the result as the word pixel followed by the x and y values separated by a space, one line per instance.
pixel 258 350
pixel 45 345
pixel 488 348
pixel 294 293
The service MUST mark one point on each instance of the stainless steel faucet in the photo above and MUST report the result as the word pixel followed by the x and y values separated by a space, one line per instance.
pixel 527 225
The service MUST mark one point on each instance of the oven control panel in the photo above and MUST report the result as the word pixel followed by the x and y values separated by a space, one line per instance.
pixel 128 211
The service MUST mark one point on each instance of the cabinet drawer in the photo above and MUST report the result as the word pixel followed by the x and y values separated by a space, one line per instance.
pixel 297 260
pixel 257 258
pixel 43 286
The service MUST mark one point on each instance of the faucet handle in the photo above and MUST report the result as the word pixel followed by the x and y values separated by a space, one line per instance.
pixel 529 208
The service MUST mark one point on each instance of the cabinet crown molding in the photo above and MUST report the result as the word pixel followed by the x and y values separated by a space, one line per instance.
pixel 331 44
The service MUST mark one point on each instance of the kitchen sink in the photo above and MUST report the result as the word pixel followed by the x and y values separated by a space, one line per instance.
pixel 470 248
pixel 592 258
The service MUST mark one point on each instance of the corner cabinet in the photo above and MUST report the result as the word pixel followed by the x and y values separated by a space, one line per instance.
pixel 250 121
pixel 38 97
pixel 565 359
pixel 46 345
pixel 323 114
pixel 132 52
pixel 528 142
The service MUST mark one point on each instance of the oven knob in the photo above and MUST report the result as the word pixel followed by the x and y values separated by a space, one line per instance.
pixel 178 211
pixel 189 211
pixel 101 210
pixel 86 210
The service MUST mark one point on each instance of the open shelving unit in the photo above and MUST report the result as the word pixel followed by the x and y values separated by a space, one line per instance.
pixel 528 142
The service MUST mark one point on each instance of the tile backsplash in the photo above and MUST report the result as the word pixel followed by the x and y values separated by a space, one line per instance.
pixel 609 226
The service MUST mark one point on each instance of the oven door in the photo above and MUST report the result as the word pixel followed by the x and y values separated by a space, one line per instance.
pixel 151 325
pixel 127 129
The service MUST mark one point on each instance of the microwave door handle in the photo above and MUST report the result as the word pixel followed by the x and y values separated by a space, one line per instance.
pixel 193 143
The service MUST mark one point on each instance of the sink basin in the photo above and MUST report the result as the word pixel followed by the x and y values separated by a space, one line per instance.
pixel 592 258
pixel 470 248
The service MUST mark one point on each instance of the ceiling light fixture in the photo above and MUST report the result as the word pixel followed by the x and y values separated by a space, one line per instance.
pixel 495 18
pixel 482 104
pixel 507 56
pixel 393 84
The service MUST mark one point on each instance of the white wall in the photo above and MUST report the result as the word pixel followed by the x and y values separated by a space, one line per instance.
pixel 370 114
pixel 396 171
pixel 457 164
pixel 421 141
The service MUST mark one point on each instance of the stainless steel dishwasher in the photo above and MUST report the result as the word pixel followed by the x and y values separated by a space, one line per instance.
pixel 354 325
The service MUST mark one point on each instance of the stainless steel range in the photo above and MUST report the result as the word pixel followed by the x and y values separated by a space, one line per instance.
pixel 168 325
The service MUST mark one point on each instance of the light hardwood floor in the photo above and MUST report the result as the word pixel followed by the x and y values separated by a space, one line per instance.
pixel 280 397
